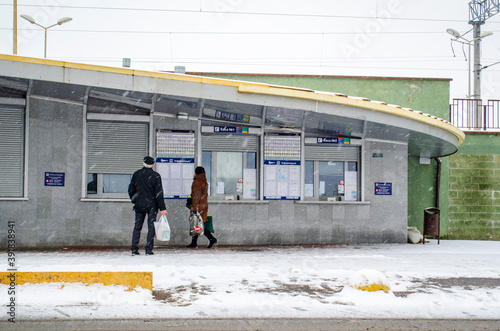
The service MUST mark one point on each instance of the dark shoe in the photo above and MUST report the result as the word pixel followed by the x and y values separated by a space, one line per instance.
pixel 135 253
pixel 192 245
pixel 212 243
pixel 150 253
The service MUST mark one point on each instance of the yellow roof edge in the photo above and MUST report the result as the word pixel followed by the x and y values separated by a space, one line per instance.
pixel 459 134
pixel 123 71
pixel 249 87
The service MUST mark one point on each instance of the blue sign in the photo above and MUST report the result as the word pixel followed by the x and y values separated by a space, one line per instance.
pixel 224 129
pixel 281 162
pixel 174 160
pixel 383 188
pixel 54 179
pixel 327 140
pixel 281 198
pixel 232 117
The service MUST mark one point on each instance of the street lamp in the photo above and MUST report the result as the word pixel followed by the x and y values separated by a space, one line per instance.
pixel 457 35
pixel 472 108
pixel 59 22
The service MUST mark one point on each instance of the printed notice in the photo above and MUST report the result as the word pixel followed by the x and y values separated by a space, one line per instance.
pixel 383 188
pixel 54 179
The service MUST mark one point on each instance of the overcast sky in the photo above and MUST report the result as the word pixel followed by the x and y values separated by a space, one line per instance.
pixel 395 38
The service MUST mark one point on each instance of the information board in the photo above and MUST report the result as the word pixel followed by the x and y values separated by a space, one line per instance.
pixel 54 179
pixel 176 176
pixel 282 147
pixel 383 188
pixel 178 144
pixel 281 180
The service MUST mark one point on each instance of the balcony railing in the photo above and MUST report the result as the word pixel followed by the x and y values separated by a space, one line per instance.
pixel 473 115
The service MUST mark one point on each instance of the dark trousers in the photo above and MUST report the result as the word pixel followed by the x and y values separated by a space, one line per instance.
pixel 136 235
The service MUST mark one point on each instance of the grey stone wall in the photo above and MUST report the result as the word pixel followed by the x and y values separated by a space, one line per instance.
pixel 56 216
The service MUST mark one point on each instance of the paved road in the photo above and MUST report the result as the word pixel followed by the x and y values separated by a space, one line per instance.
pixel 278 324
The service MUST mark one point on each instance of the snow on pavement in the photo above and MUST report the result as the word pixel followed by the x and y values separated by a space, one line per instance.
pixel 456 279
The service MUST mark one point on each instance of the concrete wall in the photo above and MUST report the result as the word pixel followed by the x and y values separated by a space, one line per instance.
pixel 56 216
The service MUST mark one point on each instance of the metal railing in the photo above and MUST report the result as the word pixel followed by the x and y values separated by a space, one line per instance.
pixel 473 115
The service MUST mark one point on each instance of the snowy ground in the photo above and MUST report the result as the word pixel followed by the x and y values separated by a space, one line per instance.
pixel 456 279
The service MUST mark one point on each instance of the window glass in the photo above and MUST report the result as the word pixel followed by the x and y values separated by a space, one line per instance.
pixel 113 183
pixel 352 166
pixel 251 160
pixel 92 183
pixel 330 176
pixel 229 172
pixel 309 176
pixel 309 179
pixel 206 162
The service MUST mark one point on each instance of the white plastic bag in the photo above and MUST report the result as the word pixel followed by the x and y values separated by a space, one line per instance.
pixel 195 224
pixel 162 229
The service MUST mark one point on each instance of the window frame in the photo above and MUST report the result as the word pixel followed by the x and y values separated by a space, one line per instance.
pixel 316 183
pixel 21 105
pixel 110 118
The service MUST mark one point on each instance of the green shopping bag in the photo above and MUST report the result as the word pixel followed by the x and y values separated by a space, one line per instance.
pixel 210 224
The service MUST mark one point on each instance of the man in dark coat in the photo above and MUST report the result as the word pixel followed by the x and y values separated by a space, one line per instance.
pixel 146 193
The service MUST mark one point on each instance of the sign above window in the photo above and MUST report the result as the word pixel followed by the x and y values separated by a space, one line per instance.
pixel 178 144
pixel 282 147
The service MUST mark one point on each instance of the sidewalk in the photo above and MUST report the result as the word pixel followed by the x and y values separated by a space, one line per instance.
pixel 456 280
pixel 275 324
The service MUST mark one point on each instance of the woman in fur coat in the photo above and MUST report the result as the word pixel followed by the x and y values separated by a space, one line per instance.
pixel 199 196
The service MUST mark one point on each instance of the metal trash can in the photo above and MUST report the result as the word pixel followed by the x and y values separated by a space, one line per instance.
pixel 431 223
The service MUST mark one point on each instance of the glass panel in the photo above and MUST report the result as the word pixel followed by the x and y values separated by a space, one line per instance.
pixel 251 161
pixel 330 175
pixel 229 171
pixel 352 166
pixel 112 183
pixel 206 162
pixel 91 183
pixel 309 179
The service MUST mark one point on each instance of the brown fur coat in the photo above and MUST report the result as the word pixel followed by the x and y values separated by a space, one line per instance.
pixel 199 194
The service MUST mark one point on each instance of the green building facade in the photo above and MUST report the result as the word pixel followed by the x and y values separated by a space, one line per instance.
pixel 474 203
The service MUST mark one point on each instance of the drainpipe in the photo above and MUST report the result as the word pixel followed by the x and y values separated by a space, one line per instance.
pixel 438 180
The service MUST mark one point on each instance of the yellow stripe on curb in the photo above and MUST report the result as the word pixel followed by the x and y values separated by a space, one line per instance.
pixel 372 287
pixel 129 279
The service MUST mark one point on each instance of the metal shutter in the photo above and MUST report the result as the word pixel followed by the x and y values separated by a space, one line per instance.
pixel 331 153
pixel 230 143
pixel 116 147
pixel 12 152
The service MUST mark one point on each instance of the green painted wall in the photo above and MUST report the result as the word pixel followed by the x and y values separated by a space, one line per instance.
pixel 427 95
pixel 475 189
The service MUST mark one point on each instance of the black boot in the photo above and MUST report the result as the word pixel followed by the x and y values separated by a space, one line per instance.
pixel 194 242
pixel 213 241
pixel 211 238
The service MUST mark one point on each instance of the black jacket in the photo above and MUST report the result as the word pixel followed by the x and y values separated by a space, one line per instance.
pixel 145 190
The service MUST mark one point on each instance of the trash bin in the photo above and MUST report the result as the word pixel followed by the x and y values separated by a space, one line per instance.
pixel 431 223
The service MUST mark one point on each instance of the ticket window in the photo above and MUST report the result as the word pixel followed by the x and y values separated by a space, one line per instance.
pixel 331 180
pixel 231 167
pixel 229 172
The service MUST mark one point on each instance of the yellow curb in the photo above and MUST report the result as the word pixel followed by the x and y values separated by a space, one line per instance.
pixel 372 287
pixel 129 279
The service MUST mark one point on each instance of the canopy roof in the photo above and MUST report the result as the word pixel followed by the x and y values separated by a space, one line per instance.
pixel 286 109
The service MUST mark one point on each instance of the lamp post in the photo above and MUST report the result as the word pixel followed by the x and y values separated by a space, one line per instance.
pixel 457 35
pixel 477 70
pixel 59 22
